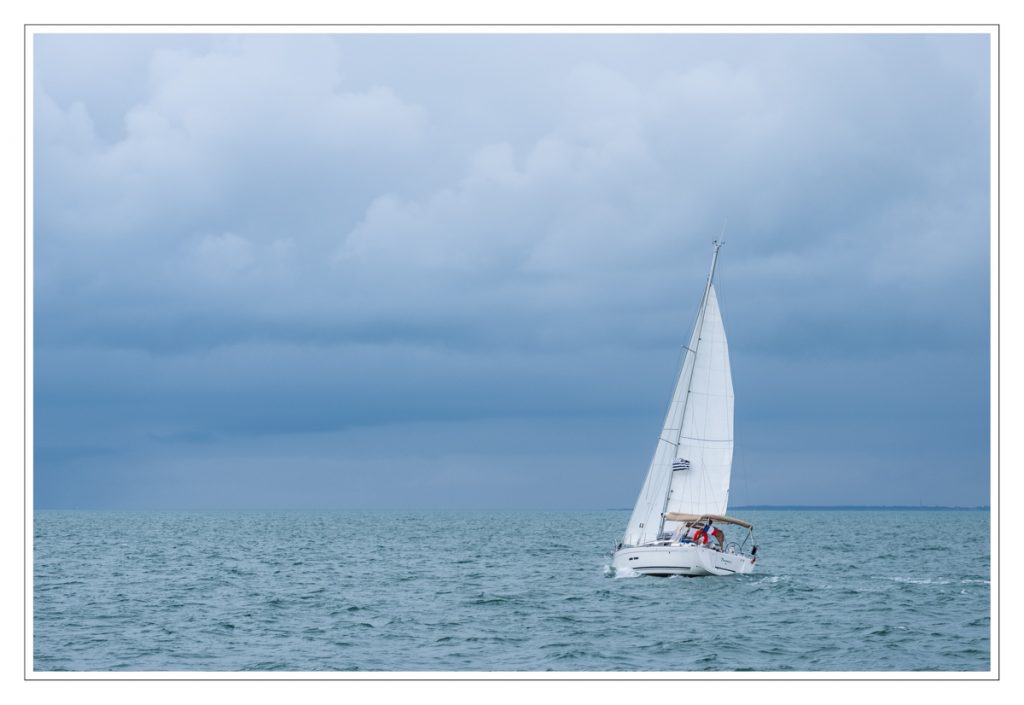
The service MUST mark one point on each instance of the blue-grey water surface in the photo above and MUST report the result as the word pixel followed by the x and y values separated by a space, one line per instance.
pixel 511 591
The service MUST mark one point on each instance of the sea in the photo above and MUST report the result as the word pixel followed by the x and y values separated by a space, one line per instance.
pixel 494 592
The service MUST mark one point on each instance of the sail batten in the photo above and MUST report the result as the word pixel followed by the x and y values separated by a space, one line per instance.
pixel 691 474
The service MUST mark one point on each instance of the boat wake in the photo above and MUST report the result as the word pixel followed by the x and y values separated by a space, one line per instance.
pixel 611 572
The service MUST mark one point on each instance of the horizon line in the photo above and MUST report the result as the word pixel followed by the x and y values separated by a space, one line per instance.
pixel 756 507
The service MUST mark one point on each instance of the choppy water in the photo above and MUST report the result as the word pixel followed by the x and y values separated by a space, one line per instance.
pixel 293 591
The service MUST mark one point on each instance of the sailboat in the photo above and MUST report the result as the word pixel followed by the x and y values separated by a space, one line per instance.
pixel 679 523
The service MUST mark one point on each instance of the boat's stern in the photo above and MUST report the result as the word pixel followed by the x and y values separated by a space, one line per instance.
pixel 724 563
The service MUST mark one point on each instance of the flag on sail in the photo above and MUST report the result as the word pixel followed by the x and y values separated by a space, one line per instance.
pixel 680 464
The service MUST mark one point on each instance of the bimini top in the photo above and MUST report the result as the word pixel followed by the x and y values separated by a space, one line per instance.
pixel 720 518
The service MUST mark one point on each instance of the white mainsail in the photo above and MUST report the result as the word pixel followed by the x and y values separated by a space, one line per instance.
pixel 693 458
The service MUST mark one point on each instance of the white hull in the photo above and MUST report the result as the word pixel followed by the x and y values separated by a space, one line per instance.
pixel 680 559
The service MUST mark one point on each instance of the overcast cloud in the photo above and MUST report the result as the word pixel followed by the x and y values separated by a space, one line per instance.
pixel 455 271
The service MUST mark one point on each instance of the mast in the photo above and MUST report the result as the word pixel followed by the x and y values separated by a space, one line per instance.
pixel 711 276
pixel 699 325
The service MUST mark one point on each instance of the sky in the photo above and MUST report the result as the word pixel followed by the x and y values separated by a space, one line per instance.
pixel 437 271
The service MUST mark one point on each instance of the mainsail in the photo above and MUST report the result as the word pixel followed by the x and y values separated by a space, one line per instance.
pixel 692 461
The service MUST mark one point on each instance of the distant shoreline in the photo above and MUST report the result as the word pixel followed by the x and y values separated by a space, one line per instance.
pixel 859 507
pixel 845 508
